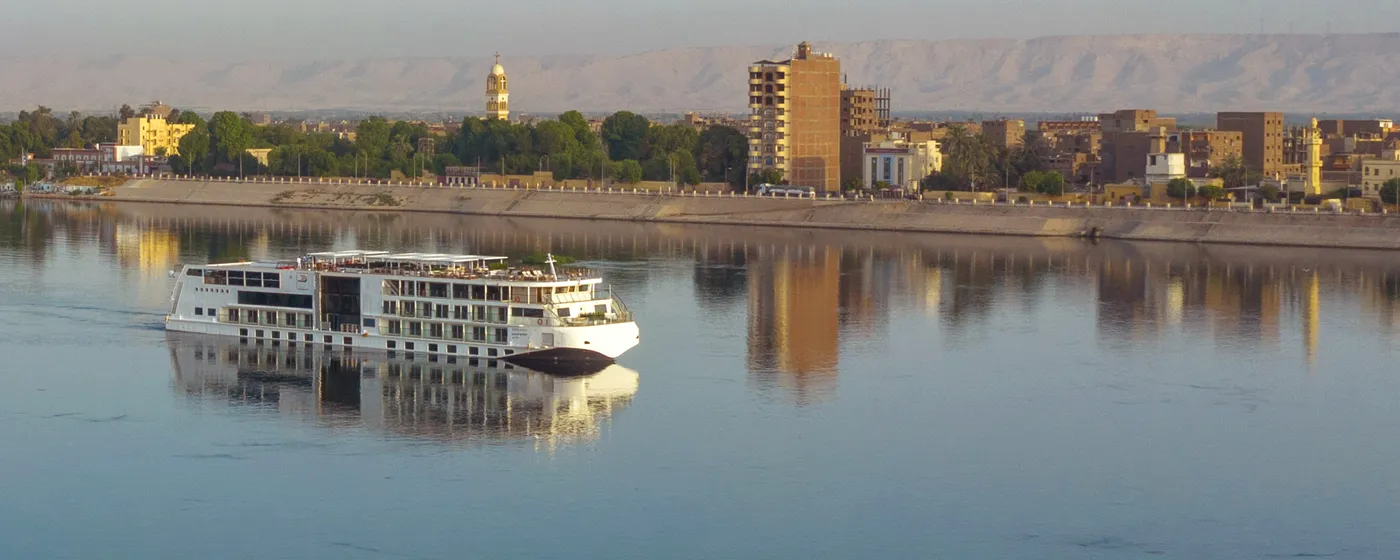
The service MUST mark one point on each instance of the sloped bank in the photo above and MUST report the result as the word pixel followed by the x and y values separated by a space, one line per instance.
pixel 1305 230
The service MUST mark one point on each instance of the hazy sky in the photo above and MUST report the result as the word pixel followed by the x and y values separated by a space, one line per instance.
pixel 316 29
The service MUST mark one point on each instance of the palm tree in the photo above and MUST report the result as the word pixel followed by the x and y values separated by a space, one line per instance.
pixel 1232 172
pixel 968 155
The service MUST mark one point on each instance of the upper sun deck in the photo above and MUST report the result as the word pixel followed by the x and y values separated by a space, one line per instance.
pixel 435 265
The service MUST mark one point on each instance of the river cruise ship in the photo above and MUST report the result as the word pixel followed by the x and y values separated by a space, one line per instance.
pixel 436 304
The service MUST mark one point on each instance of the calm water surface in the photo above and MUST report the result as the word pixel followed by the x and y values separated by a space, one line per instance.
pixel 795 395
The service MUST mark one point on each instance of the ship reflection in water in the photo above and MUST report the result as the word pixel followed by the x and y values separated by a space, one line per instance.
pixel 434 398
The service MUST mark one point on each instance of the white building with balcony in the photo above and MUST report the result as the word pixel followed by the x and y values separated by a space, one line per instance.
pixel 899 163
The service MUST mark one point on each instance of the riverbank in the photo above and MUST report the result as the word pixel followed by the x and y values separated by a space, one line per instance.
pixel 1141 224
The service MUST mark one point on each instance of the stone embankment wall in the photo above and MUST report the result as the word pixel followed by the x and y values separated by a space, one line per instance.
pixel 1201 226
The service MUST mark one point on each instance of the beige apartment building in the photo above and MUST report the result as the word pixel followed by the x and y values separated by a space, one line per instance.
pixel 795 120
pixel 1005 133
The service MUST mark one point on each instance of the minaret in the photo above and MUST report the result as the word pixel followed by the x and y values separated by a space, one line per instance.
pixel 497 94
pixel 1312 138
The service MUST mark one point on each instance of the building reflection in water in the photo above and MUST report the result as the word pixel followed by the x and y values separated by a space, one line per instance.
pixel 793 319
pixel 453 401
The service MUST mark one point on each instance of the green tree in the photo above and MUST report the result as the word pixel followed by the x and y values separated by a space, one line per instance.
pixel 553 138
pixel 850 184
pixel 683 163
pixel 194 153
pixel 627 171
pixel 768 176
pixel 126 112
pixel 230 137
pixel 1211 192
pixel 1181 188
pixel 582 132
pixel 1233 173
pixel 372 137
pixel 1390 191
pixel 722 155
pixel 1269 193
pixel 968 158
pixel 624 133
pixel 1051 183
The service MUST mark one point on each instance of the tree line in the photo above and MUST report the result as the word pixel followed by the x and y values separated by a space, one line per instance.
pixel 628 148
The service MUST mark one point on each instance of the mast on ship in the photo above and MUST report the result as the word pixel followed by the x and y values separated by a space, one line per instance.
pixel 549 260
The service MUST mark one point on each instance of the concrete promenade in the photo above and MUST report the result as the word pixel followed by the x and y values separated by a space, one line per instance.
pixel 1235 226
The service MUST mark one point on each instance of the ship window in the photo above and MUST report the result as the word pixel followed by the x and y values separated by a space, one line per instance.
pixel 500 336
pixel 194 272
pixel 289 319
pixel 327 339
pixel 600 308
pixel 408 346
pixel 272 280
pixel 460 291
pixel 478 292
pixel 492 352
pixel 473 351
pixel 478 312
pixel 479 334
pixel 493 293
pixel 432 348
pixel 390 307
pixel 497 315
pixel 254 280
pixel 510 352
pixel 458 331
pixel 242 332
pixel 258 333
pixel 395 327
pixel 415 328
pixel 235 277
pixel 349 341
pixel 564 311
pixel 276 335
pixel 437 290
pixel 440 311
pixel 451 349
pixel 274 300
pixel 370 323
pixel 435 330
pixel 526 312
pixel 306 337
pixel 391 345
pixel 216 277
pixel 199 311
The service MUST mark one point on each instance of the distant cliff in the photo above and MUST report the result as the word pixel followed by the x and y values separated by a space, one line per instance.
pixel 1176 73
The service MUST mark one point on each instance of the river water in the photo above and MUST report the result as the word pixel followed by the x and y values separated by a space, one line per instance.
pixel 796 394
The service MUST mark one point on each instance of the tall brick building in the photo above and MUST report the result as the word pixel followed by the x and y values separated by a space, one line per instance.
pixel 1126 143
pixel 1263 139
pixel 795 120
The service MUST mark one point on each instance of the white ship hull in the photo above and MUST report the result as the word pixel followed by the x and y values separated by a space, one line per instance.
pixel 374 301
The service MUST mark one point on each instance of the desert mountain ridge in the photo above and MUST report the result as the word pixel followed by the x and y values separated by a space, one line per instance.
pixel 1352 73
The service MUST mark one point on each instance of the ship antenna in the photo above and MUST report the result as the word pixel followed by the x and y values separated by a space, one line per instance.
pixel 549 259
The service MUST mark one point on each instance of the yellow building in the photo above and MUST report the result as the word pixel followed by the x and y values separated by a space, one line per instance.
pixel 155 136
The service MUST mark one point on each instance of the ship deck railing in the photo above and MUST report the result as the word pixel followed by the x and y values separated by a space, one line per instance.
pixel 507 275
